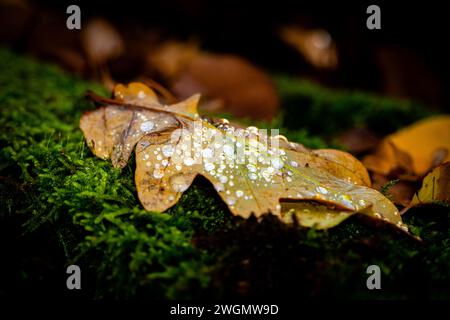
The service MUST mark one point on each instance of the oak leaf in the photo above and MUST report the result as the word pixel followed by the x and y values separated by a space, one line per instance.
pixel 252 171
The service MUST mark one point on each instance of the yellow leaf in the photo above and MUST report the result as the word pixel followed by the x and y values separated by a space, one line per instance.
pixel 250 170
pixel 435 187
pixel 413 150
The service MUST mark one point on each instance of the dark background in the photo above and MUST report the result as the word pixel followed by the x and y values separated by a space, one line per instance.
pixel 407 58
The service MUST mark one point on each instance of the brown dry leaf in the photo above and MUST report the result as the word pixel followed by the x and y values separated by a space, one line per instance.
pixel 244 89
pixel 358 140
pixel 253 173
pixel 435 187
pixel 316 45
pixel 414 150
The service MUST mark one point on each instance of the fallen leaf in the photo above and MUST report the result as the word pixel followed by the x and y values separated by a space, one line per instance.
pixel 435 187
pixel 252 171
pixel 412 151
pixel 316 45
pixel 245 89
pixel 101 41
pixel 358 140
pixel 172 57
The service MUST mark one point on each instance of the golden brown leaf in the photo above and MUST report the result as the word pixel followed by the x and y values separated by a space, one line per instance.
pixel 243 89
pixel 435 187
pixel 414 150
pixel 250 169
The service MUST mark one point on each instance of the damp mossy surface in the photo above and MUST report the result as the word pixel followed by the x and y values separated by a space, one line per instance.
pixel 61 205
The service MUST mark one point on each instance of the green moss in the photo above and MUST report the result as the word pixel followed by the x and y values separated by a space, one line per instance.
pixel 61 205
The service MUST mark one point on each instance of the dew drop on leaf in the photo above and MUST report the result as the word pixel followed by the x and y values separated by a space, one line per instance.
pixel 147 126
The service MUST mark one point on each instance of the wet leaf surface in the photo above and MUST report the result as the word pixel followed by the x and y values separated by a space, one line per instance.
pixel 250 169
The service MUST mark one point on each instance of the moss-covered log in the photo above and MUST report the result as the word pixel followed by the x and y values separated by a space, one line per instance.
pixel 61 205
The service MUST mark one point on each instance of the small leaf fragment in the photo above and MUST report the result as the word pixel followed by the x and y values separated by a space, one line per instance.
pixel 435 187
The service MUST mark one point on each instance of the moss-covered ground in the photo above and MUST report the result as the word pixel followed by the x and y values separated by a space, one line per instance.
pixel 61 205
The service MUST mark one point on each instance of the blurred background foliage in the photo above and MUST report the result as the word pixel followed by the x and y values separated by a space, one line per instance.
pixel 310 69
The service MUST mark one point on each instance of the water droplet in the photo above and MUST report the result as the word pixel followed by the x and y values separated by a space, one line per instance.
pixel 252 129
pixel 209 166
pixel 252 176
pixel 321 190
pixel 253 143
pixel 188 161
pixel 158 174
pixel 346 200
pixel 239 193
pixel 228 150
pixel 141 95
pixel 223 179
pixel 231 201
pixel 294 164
pixel 167 150
pixel 178 183
pixel 251 168
pixel 207 153
pixel 219 187
pixel 267 173
pixel 147 126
